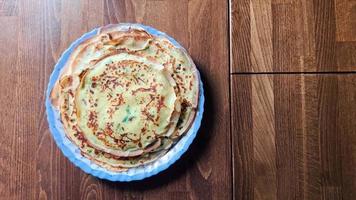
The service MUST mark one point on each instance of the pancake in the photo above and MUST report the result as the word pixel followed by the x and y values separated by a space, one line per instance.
pixel 125 97
pixel 124 103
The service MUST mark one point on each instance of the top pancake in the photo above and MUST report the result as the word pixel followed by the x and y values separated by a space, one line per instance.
pixel 124 103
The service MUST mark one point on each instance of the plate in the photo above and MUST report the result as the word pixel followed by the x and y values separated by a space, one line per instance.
pixel 72 152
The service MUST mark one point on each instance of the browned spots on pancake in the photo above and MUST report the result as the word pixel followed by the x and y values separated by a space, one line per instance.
pixel 152 88
pixel 101 135
pixel 143 130
pixel 93 84
pixel 119 142
pixel 70 92
pixel 178 67
pixel 190 84
pixel 130 63
pixel 186 103
pixel 93 121
pixel 180 82
pixel 160 104
pixel 119 100
pixel 109 35
pixel 152 98
pixel 109 96
pixel 116 42
pixel 166 42
pixel 127 85
pixel 66 81
pixel 140 79
pixel 148 115
pixel 136 53
pixel 66 117
pixel 157 118
pixel 108 129
pixel 135 79
pixel 105 37
pixel 79 135
pixel 110 112
pixel 83 73
pixel 96 151
pixel 159 48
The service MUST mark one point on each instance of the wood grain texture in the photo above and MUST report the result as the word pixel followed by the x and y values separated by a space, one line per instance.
pixel 270 131
pixel 7 66
pixel 295 136
pixel 8 8
pixel 293 36
pixel 35 33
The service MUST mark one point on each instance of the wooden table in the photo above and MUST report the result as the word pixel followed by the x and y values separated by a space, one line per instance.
pixel 279 75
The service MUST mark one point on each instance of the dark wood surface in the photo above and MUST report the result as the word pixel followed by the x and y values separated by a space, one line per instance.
pixel 280 92
pixel 295 136
pixel 293 99
pixel 293 35
pixel 35 33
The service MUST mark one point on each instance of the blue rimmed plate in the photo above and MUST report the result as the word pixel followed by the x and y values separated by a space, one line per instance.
pixel 72 152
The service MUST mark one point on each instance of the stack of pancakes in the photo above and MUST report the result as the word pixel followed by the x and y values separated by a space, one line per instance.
pixel 125 96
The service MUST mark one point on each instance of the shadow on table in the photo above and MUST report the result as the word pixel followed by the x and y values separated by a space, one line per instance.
pixel 189 158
